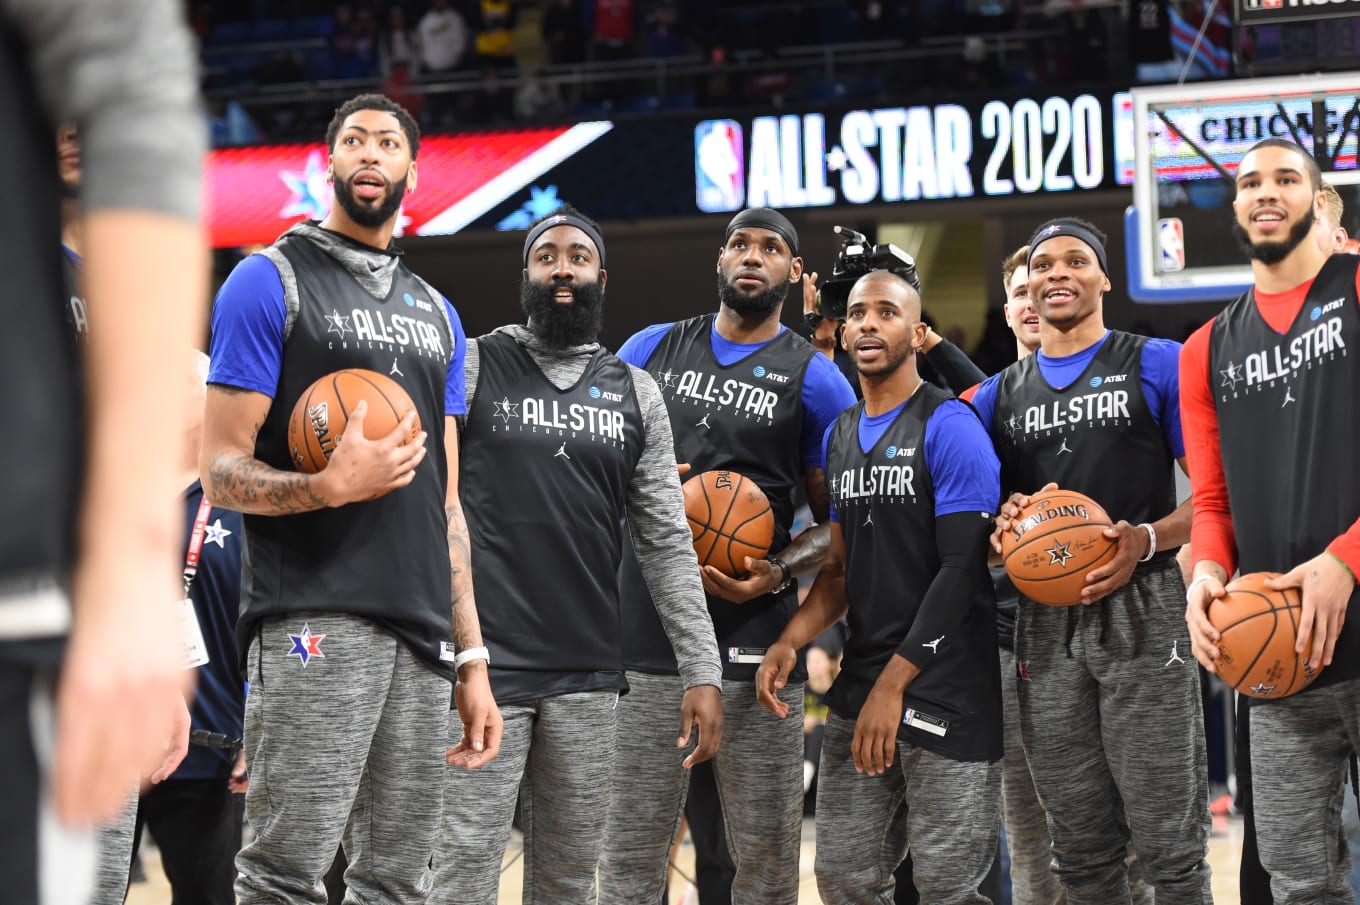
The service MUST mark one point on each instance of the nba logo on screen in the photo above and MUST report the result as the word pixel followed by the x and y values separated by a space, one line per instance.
pixel 1171 243
pixel 719 165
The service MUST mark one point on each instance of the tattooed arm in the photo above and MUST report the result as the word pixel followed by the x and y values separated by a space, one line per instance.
pixel 472 694
pixel 233 478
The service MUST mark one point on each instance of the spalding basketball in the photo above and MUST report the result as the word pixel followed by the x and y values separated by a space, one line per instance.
pixel 1258 628
pixel 322 411
pixel 1053 542
pixel 730 519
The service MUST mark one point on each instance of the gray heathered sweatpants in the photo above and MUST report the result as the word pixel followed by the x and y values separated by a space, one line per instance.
pixel 759 772
pixel 649 790
pixel 556 757
pixel 947 812
pixel 1111 721
pixel 1300 748
pixel 113 856
pixel 348 747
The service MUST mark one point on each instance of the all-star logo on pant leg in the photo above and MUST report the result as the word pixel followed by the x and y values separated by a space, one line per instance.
pixel 305 645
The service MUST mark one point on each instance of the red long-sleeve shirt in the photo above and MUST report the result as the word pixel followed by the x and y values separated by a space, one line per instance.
pixel 1211 532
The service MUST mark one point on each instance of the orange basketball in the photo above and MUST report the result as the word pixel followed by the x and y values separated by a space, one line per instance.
pixel 322 411
pixel 1053 542
pixel 1258 628
pixel 730 519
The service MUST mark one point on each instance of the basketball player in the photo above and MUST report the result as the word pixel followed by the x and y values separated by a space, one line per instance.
pixel 70 462
pixel 345 610
pixel 1271 409
pixel 1100 685
pixel 919 680
pixel 562 440
pixel 743 393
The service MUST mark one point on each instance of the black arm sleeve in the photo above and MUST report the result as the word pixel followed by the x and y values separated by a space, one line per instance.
pixel 957 369
pixel 961 539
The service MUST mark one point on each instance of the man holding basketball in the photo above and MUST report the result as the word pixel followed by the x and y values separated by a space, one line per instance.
pixel 345 628
pixel 562 441
pixel 920 681
pixel 1097 411
pixel 1271 399
pixel 769 399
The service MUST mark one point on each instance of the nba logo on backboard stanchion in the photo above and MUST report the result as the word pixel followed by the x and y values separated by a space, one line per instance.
pixel 1171 242
pixel 719 165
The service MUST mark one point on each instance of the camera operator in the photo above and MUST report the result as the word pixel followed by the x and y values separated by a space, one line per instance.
pixel 943 363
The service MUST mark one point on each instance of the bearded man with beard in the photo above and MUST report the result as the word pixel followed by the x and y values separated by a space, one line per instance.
pixel 1270 395
pixel 356 603
pixel 745 393
pixel 562 441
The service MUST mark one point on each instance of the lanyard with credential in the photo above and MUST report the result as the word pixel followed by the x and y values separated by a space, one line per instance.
pixel 196 544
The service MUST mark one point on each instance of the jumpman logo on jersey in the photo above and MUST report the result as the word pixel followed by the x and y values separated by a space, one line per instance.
pixel 704 423
pixel 395 370
pixel 1064 448
pixel 933 645
pixel 1288 396
pixel 1175 657
pixel 868 520
pixel 562 453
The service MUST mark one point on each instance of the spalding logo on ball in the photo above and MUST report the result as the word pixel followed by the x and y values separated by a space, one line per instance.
pixel 1053 543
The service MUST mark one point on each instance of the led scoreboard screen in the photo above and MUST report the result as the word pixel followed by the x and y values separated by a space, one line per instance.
pixel 996 149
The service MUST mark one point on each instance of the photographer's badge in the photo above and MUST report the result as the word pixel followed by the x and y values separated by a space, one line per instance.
pixel 195 648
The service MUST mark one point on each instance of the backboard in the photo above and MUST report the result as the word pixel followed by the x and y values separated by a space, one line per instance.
pixel 1188 141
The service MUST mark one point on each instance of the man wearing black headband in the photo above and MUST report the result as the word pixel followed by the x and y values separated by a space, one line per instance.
pixel 747 394
pixel 562 440
pixel 1102 684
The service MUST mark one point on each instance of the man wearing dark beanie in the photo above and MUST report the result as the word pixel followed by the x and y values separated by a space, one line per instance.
pixel 1103 683
pixel 747 394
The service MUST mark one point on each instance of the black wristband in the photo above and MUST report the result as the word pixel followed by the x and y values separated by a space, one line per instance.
pixel 785 574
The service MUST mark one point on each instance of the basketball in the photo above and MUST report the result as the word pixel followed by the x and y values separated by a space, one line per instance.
pixel 1053 542
pixel 730 519
pixel 322 411
pixel 1259 627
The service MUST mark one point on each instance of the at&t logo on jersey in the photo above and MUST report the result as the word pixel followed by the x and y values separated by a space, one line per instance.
pixel 765 374
pixel 729 394
pixel 597 393
pixel 892 452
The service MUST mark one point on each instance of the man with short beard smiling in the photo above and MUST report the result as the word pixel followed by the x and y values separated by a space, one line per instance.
pixel 1271 401
pixel 562 441
pixel 743 393
pixel 357 609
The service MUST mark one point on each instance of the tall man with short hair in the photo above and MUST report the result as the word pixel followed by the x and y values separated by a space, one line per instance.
pixel 562 440
pixel 346 630
pixel 1103 683
pixel 920 680
pixel 746 394
pixel 1271 401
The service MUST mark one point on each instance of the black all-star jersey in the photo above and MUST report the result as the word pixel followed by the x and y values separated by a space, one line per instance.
pixel 544 481
pixel 385 560
pixel 885 503
pixel 1097 436
pixel 746 416
pixel 1288 409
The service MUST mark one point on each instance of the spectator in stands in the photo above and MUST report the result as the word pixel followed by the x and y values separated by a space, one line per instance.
pixel 398 45
pixel 562 32
pixel 443 38
pixel 615 29
pixel 495 42
pixel 666 36
pixel 535 97
pixel 344 44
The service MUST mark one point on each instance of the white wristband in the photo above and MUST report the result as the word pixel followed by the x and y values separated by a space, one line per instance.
pixel 1152 542
pixel 467 656
pixel 1192 585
